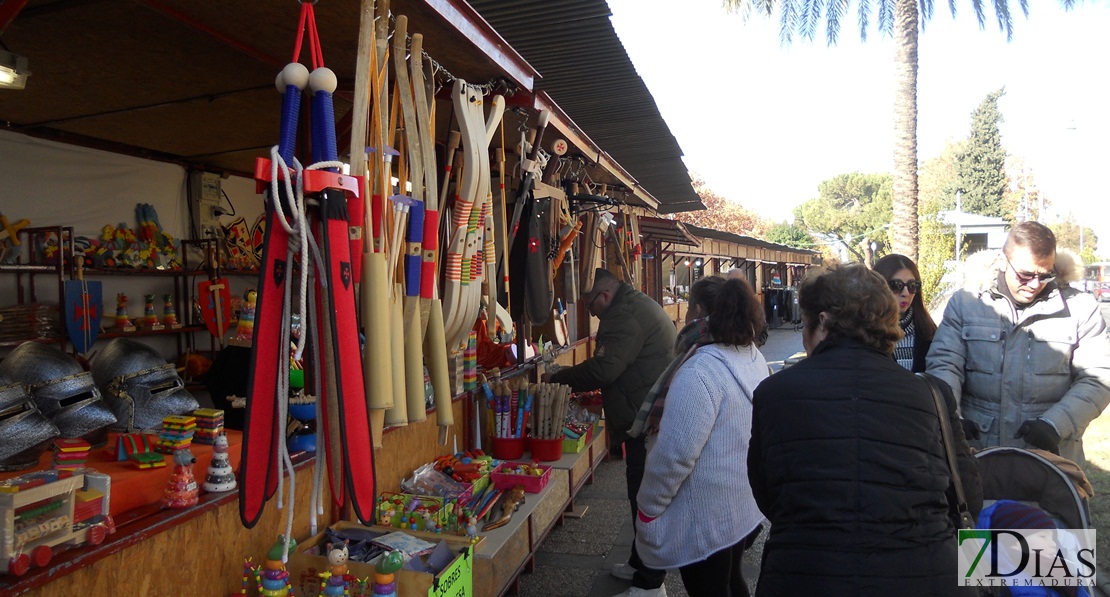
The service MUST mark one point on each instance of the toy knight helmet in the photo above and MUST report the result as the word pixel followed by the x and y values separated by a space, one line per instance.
pixel 25 430
pixel 139 385
pixel 63 390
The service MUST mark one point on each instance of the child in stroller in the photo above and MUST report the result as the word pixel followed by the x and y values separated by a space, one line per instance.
pixel 1033 489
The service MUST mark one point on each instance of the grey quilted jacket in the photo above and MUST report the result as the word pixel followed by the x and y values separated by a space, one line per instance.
pixel 1049 360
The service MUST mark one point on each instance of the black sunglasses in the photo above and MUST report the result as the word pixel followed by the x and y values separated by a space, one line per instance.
pixel 1027 277
pixel 897 285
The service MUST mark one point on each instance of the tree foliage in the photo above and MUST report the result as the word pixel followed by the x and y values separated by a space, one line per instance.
pixel 789 235
pixel 1070 234
pixel 982 161
pixel 938 240
pixel 722 214
pixel 901 19
pixel 852 209
pixel 1023 199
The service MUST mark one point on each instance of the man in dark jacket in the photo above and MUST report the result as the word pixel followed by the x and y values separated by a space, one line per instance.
pixel 634 344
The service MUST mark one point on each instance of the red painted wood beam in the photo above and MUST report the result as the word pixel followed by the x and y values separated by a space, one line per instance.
pixel 9 10
pixel 219 35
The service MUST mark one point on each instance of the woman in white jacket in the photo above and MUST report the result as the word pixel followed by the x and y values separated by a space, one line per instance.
pixel 697 512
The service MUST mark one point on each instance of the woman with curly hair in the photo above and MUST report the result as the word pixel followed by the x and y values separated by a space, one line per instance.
pixel 917 325
pixel 846 458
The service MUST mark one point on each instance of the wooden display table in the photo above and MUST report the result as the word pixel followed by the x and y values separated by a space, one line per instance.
pixel 509 550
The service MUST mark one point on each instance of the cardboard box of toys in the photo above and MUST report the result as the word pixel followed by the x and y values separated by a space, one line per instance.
pixel 433 570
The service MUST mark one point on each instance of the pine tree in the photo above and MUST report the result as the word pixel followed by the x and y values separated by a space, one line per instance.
pixel 981 164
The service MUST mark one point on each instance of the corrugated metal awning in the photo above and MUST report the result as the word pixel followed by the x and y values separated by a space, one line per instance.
pixel 668 231
pixel 585 69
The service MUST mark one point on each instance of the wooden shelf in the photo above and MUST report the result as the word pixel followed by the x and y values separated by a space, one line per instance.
pixel 119 271
pixel 142 332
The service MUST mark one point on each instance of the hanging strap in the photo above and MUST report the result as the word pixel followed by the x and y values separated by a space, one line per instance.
pixel 960 508
pixel 308 21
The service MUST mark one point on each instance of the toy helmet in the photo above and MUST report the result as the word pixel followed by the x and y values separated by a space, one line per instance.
pixel 63 390
pixel 139 385
pixel 22 425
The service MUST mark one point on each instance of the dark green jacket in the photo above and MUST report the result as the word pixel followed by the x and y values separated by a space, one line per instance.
pixel 634 344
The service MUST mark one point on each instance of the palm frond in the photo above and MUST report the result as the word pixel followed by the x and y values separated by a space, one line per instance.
pixel 979 14
pixel 864 18
pixel 833 15
pixel 925 10
pixel 1005 19
pixel 1025 6
pixel 952 7
pixel 886 17
pixel 788 20
pixel 810 16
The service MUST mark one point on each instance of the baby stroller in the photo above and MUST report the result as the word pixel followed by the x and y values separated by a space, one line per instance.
pixel 1031 476
pixel 1039 479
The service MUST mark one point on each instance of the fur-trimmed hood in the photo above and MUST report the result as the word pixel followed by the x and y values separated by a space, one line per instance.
pixel 979 272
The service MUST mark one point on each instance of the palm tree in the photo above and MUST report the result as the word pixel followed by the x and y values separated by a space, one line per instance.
pixel 902 20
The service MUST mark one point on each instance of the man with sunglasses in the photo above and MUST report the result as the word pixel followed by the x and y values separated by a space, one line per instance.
pixel 1027 357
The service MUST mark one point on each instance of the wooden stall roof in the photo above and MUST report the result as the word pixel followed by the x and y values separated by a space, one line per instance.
pixel 586 70
pixel 718 243
pixel 667 231
pixel 193 82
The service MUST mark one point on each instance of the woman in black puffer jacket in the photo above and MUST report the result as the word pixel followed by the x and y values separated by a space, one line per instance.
pixel 847 459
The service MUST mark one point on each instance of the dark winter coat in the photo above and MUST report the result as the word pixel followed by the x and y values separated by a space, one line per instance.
pixel 848 464
pixel 634 345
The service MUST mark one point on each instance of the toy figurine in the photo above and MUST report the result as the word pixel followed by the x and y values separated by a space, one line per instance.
pixel 336 581
pixel 123 322
pixel 244 330
pixel 385 574
pixel 472 528
pixel 169 313
pixel 271 578
pixel 150 317
pixel 181 489
pixel 220 476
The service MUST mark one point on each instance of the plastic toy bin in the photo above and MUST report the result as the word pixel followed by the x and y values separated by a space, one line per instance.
pixel 508 448
pixel 547 450
pixel 503 479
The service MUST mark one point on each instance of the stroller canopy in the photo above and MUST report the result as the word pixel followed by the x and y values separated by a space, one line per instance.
pixel 1026 476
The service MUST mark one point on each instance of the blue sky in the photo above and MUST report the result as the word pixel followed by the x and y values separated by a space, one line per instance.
pixel 764 123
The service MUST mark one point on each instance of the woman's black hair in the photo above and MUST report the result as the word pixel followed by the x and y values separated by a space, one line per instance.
pixel 923 324
pixel 735 315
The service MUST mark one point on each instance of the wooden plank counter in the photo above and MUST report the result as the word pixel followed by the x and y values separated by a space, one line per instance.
pixel 509 550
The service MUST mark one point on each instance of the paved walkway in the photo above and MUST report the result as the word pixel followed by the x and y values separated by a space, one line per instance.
pixel 575 559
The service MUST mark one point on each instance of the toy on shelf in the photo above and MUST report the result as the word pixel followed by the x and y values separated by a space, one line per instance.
pixel 70 453
pixel 176 435
pixel 150 317
pixel 210 426
pixel 336 580
pixel 385 573
pixel 220 475
pixel 181 489
pixel 169 313
pixel 49 509
pixel 123 321
pixel 272 577
pixel 513 501
pixel 244 329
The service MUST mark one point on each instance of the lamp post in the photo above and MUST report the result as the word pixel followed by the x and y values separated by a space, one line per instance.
pixel 959 218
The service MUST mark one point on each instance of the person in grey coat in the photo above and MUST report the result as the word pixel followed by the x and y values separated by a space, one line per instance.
pixel 1027 356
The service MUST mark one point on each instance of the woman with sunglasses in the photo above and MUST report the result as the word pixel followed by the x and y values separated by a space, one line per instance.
pixel 918 326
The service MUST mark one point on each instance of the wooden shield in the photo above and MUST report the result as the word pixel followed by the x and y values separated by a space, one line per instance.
pixel 215 305
pixel 84 307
